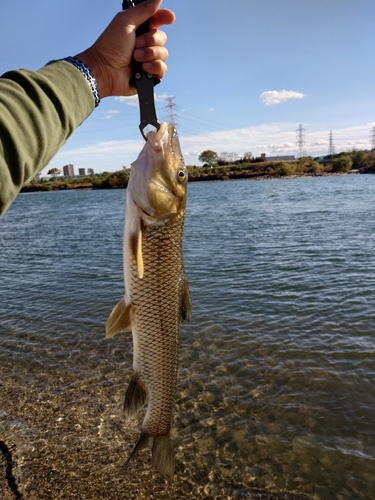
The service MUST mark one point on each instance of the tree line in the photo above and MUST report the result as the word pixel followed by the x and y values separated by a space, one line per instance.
pixel 341 162
pixel 224 167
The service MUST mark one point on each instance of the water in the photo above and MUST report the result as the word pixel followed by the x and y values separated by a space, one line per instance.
pixel 276 388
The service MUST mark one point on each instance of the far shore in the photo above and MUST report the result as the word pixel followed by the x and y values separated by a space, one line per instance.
pixel 87 183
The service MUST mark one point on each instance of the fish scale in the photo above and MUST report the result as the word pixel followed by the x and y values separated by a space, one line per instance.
pixel 157 318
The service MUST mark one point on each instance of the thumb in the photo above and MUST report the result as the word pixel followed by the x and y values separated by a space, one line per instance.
pixel 143 11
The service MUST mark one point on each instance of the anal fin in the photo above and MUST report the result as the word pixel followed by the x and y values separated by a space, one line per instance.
pixel 135 396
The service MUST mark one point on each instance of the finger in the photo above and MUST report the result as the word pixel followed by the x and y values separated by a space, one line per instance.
pixel 151 39
pixel 157 68
pixel 142 12
pixel 150 54
pixel 161 17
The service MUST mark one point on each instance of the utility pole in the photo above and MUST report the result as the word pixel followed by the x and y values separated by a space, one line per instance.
pixel 300 141
pixel 331 149
pixel 372 137
pixel 171 106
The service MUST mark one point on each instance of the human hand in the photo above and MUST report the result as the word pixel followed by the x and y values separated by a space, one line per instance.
pixel 109 58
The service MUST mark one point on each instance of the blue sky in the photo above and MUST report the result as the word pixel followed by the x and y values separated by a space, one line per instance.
pixel 244 74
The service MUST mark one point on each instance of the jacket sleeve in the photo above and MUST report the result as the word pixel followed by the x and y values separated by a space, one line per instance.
pixel 38 112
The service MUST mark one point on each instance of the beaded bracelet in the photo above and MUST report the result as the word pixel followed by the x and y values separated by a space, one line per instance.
pixel 86 72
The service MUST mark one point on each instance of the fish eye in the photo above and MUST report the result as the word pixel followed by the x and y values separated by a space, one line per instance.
pixel 181 173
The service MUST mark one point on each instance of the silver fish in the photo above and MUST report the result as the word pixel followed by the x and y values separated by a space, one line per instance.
pixel 157 295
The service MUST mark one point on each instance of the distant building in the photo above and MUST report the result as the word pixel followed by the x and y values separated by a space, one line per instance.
pixel 82 171
pixel 36 177
pixel 68 170
pixel 276 158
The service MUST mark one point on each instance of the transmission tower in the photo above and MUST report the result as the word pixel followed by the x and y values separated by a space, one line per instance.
pixel 372 137
pixel 171 107
pixel 331 148
pixel 300 141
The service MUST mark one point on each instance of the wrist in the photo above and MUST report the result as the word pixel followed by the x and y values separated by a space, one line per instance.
pixel 88 75
pixel 89 59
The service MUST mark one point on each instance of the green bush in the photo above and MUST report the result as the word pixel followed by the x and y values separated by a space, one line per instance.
pixel 118 179
pixel 286 169
pixel 315 167
pixel 342 164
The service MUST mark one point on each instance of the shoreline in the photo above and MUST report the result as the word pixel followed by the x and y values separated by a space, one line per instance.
pixel 66 186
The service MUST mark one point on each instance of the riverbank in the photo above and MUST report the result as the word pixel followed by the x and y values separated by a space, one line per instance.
pixel 69 440
pixel 119 179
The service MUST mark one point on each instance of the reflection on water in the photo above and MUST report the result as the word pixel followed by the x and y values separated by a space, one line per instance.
pixel 276 391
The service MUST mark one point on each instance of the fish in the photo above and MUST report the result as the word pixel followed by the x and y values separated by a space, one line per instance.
pixel 157 297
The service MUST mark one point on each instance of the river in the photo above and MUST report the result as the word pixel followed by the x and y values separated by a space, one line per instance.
pixel 276 385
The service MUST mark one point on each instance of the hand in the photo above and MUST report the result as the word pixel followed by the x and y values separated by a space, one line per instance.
pixel 110 56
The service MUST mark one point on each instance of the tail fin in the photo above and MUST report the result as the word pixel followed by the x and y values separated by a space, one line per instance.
pixel 162 453
pixel 135 396
pixel 163 456
pixel 143 441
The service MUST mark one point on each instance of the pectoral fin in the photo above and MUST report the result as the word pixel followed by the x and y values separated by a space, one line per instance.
pixel 185 301
pixel 140 256
pixel 119 319
pixel 136 248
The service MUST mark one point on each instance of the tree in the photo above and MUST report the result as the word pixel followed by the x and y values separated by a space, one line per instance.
pixel 247 156
pixel 54 172
pixel 228 157
pixel 209 157
pixel 358 158
pixel 90 171
pixel 224 157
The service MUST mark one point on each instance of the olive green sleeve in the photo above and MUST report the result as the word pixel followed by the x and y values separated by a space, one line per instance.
pixel 39 110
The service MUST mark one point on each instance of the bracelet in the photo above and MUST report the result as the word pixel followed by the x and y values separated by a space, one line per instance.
pixel 86 72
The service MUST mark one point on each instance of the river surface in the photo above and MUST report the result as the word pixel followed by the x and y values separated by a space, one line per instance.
pixel 276 387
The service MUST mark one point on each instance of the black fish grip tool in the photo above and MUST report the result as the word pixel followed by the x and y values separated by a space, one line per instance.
pixel 144 82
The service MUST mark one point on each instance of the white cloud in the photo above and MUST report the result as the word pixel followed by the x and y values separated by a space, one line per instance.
pixel 110 114
pixel 271 97
pixel 162 97
pixel 273 139
pixel 129 100
pixel 133 100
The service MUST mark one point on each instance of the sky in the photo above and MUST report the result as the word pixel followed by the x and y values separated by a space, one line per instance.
pixel 244 74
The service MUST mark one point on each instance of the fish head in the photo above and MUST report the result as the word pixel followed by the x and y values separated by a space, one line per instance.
pixel 159 177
